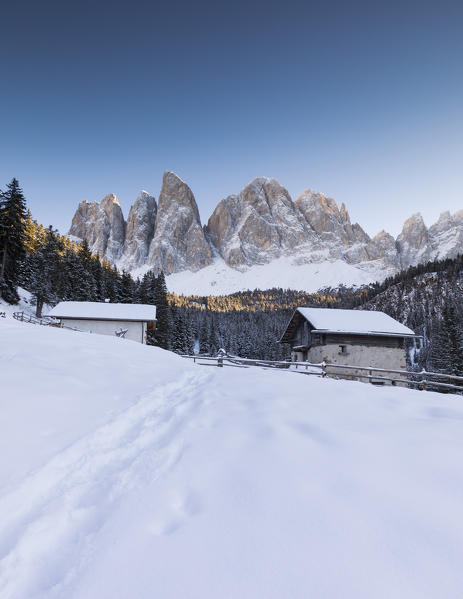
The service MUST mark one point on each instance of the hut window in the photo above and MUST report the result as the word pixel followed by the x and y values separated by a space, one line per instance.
pixel 343 349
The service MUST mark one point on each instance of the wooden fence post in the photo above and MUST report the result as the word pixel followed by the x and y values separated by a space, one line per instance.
pixel 425 379
pixel 220 355
pixel 323 369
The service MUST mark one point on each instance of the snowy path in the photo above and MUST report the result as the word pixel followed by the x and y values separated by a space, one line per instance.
pixel 65 502
pixel 128 472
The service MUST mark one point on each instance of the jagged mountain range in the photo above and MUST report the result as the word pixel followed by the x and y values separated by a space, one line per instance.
pixel 261 231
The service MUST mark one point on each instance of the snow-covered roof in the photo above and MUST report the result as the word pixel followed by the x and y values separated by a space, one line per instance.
pixel 104 311
pixel 353 321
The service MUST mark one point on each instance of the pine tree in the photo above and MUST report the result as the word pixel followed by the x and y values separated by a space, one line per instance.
pixel 13 238
pixel 162 311
pixel 127 289
pixel 180 339
pixel 454 338
pixel 86 288
pixel 213 341
pixel 44 265
pixel 204 337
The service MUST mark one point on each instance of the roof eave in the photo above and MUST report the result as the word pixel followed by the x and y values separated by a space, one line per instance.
pixel 100 318
pixel 371 333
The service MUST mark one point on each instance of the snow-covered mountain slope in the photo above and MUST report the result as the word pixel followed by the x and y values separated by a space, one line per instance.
pixel 259 226
pixel 284 272
pixel 127 471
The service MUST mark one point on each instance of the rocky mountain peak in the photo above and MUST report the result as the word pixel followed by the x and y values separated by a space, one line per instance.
pixel 383 237
pixel 179 242
pixel 103 225
pixel 413 242
pixel 109 200
pixel 140 230
pixel 312 201
pixel 257 225
pixel 344 215
pixel 116 227
pixel 328 221
pixel 414 231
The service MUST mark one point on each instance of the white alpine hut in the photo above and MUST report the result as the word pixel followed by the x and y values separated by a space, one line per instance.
pixel 129 321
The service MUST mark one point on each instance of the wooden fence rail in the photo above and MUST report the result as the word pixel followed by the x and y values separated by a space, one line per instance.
pixel 30 318
pixel 421 379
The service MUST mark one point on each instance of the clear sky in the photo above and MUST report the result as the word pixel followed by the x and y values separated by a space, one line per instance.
pixel 360 100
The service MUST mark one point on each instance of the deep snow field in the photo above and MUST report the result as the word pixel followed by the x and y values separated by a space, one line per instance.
pixel 129 472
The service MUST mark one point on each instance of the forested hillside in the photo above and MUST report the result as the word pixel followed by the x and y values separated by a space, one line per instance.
pixel 428 299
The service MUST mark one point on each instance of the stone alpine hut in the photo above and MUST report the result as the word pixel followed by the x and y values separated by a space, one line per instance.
pixel 347 337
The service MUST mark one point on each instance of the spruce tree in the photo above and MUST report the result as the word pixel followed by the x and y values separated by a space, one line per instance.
pixel 204 337
pixel 86 287
pixel 180 339
pixel 126 290
pixel 13 238
pixel 44 272
pixel 162 311
pixel 454 338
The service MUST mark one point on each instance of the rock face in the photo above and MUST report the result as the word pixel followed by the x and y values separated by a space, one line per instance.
pixel 254 227
pixel 446 235
pixel 413 243
pixel 330 229
pixel 140 230
pixel 102 225
pixel 383 246
pixel 179 242
pixel 257 225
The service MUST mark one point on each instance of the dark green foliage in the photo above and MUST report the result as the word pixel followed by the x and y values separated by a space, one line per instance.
pixel 180 335
pixel 445 353
pixel 45 272
pixel 162 311
pixel 127 289
pixel 203 337
pixel 428 299
pixel 12 239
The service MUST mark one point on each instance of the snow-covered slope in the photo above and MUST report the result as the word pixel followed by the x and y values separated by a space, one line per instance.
pixel 126 471
pixel 285 272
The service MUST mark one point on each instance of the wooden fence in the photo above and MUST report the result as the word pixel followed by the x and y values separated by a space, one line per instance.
pixel 30 318
pixel 427 381
pixel 47 321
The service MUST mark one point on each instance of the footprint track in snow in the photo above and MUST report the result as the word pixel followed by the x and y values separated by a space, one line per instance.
pixel 63 503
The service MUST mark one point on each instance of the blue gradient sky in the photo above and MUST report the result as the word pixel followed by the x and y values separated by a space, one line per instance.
pixel 360 100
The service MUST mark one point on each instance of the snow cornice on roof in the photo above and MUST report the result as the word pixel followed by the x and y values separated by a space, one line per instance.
pixel 372 333
pixel 104 311
pixel 349 322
